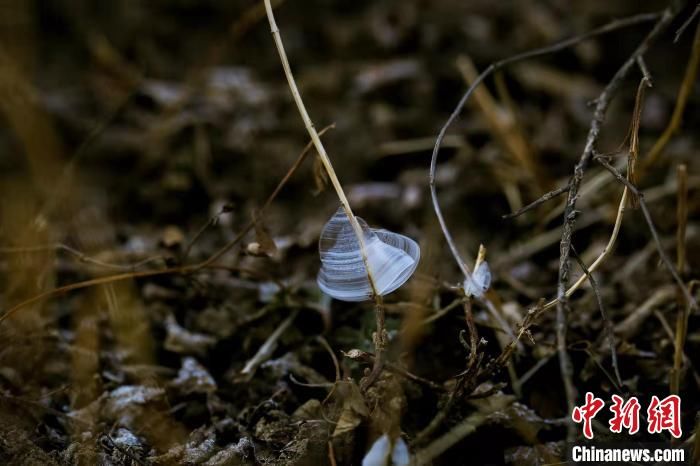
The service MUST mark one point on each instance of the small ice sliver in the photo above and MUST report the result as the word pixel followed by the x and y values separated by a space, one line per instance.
pixel 479 282
pixel 392 259
pixel 381 451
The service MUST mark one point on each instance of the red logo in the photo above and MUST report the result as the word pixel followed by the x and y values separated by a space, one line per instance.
pixel 665 415
pixel 587 412
pixel 624 415
pixel 661 415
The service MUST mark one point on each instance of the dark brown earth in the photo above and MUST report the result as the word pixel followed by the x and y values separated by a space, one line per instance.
pixel 137 139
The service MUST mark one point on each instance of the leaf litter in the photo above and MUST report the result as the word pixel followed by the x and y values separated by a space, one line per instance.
pixel 135 134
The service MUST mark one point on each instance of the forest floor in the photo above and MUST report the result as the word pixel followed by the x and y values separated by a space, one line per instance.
pixel 159 230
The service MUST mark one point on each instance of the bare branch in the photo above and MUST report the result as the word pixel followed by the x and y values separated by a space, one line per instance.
pixel 570 212
pixel 650 223
pixel 612 26
pixel 609 328
pixel 544 198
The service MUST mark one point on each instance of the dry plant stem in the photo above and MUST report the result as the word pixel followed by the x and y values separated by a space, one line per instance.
pixel 459 432
pixel 632 324
pixel 544 198
pixel 183 269
pixel 251 224
pixel 565 365
pixel 380 337
pixel 473 336
pixel 442 311
pixel 618 24
pixel 212 222
pixel 502 123
pixel 602 104
pixel 687 22
pixel 265 351
pixel 533 370
pixel 594 357
pixel 459 388
pixel 328 348
pixel 644 70
pixel 314 137
pixel 81 256
pixel 650 223
pixel 681 216
pixel 684 93
pixel 631 167
pixel 609 328
pixel 683 311
pixel 331 454
pixel 369 358
pixel 562 299
pixel 495 314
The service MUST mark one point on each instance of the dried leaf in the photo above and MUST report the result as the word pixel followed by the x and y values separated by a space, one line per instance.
pixel 354 410
pixel 265 244
pixel 320 176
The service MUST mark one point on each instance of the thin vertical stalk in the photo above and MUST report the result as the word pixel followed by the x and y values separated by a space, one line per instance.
pixel 682 318
pixel 316 139
pixel 380 337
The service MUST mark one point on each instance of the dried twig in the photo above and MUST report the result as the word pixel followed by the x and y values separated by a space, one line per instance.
pixel 633 322
pixel 81 256
pixel 562 297
pixel 473 363
pixel 364 356
pixel 380 338
pixel 459 388
pixel 609 328
pixel 618 24
pixel 684 93
pixel 570 213
pixel 328 348
pixel 683 309
pixel 566 367
pixel 685 24
pixel 652 229
pixel 460 431
pixel 331 454
pixel 183 269
pixel 265 351
pixel 502 124
pixel 213 221
pixel 544 198
pixel 631 169
pixel 644 70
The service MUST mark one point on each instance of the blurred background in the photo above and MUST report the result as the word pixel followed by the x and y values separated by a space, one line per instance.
pixel 136 136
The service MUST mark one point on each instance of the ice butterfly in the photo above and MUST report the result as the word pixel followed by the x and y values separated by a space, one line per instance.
pixel 392 259
pixel 378 454
pixel 479 282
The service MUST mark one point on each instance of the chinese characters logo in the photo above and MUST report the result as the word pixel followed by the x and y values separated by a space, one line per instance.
pixel 662 415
